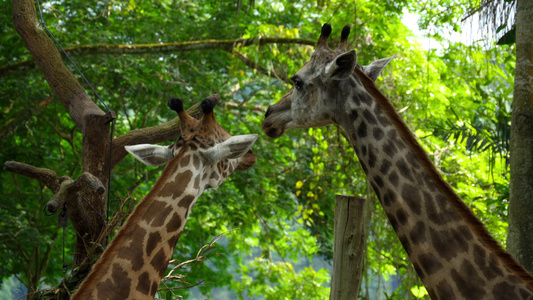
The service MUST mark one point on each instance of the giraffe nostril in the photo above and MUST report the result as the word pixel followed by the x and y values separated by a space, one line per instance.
pixel 269 111
pixel 50 209
pixel 274 133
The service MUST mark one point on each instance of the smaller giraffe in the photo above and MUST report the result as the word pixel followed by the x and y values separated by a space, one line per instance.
pixel 205 155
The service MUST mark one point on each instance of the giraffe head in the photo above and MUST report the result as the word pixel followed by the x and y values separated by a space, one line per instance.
pixel 205 142
pixel 319 87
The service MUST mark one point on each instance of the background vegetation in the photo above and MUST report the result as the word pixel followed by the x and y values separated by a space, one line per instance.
pixel 276 219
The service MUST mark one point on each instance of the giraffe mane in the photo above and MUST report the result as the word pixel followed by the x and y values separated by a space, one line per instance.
pixel 474 223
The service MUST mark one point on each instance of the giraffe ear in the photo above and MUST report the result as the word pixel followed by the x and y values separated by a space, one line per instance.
pixel 342 66
pixel 374 69
pixel 234 147
pixel 151 155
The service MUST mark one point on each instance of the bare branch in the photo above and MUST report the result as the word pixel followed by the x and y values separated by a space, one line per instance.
pixel 253 107
pixel 212 44
pixel 110 49
pixel 200 256
pixel 46 176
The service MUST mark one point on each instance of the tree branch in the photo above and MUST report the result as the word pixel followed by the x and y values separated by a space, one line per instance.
pixel 226 45
pixel 46 176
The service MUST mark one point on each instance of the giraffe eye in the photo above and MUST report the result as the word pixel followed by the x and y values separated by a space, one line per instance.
pixel 298 84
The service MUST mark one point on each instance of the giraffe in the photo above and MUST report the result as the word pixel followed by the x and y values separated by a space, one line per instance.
pixel 133 264
pixel 451 250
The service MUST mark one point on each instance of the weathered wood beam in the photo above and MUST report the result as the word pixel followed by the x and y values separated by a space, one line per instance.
pixel 348 247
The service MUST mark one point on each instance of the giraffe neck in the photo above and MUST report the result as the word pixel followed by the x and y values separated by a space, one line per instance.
pixel 451 250
pixel 133 265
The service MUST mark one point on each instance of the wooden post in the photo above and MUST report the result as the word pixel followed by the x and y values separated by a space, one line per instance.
pixel 348 247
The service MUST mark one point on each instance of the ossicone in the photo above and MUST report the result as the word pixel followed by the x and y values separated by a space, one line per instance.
pixel 176 104
pixel 344 38
pixel 207 105
pixel 324 35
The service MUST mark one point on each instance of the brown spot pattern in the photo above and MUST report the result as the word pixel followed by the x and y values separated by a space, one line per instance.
pixel 429 263
pixel 468 282
pixel 405 171
pixel 413 160
pixel 159 262
pixel 196 162
pixel 411 196
pixel 154 239
pixel 444 291
pixel 174 188
pixel 393 222
pixel 215 175
pixel 401 216
pixel 132 250
pixel 525 294
pixel 393 177
pixel 363 165
pixel 143 284
pixel 361 131
pixel 448 243
pixel 405 244
pixel 418 233
pixel 369 117
pixel 354 114
pixel 504 290
pixel 371 156
pixel 390 149
pixel 185 160
pixel 389 197
pixel 157 213
pixel 378 181
pixel 153 290
pixel 385 166
pixel 173 241
pixel 117 287
pixel 186 201
pixel 378 113
pixel 196 184
pixel 174 223
pixel 363 150
pixel 366 99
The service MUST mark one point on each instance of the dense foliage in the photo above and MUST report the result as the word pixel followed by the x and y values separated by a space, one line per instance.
pixel 276 219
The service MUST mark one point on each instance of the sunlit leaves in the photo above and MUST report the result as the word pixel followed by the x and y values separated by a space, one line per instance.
pixel 280 212
pixel 280 281
pixel 419 291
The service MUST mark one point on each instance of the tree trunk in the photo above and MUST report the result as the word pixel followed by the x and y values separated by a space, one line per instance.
pixel 87 116
pixel 520 235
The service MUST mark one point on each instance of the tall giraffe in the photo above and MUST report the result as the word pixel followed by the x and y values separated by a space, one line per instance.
pixel 205 155
pixel 452 252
